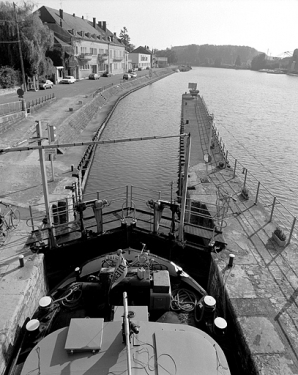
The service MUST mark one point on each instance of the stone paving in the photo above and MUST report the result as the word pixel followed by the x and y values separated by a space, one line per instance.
pixel 262 284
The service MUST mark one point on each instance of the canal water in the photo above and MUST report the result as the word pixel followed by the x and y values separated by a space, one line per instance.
pixel 255 113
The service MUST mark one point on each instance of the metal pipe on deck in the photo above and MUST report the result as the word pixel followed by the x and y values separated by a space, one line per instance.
pixel 127 332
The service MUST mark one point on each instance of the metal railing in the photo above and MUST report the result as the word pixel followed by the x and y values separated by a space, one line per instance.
pixel 260 194
pixel 124 203
pixel 9 108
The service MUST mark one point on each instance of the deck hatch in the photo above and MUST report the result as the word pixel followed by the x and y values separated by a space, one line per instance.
pixel 84 335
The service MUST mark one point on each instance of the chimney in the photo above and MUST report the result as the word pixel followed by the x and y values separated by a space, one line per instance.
pixel 61 13
pixel 82 17
pixel 99 24
pixel 74 15
pixel 115 34
pixel 94 22
pixel 60 22
pixel 104 26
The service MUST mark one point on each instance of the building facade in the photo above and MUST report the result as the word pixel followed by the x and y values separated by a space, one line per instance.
pixel 161 62
pixel 141 57
pixel 82 46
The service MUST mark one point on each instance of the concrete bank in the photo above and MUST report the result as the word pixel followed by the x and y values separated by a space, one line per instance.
pixel 258 293
pixel 22 287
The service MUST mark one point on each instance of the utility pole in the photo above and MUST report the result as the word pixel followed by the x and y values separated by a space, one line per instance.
pixel 52 242
pixel 20 49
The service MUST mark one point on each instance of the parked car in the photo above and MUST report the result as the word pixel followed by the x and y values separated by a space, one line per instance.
pixel 126 76
pixel 45 84
pixel 106 74
pixel 94 76
pixel 133 74
pixel 68 79
pixel 139 68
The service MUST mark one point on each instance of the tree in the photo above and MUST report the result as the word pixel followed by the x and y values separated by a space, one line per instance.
pixel 258 62
pixel 35 37
pixel 8 77
pixel 238 61
pixel 169 53
pixel 125 39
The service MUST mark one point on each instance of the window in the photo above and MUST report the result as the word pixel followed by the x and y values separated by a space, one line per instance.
pixel 77 50
pixel 85 67
pixel 83 49
pixel 93 51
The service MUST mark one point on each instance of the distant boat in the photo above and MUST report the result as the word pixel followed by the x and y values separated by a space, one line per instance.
pixel 275 71
pixel 185 68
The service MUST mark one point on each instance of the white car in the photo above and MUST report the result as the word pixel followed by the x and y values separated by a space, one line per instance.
pixel 68 79
pixel 45 84
pixel 133 74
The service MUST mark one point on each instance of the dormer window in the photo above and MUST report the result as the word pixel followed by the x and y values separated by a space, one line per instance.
pixel 87 35
pixel 98 37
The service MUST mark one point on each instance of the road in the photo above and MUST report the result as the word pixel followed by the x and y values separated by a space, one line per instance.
pixel 82 87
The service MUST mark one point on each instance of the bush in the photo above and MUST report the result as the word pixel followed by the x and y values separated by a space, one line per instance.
pixel 280 234
pixel 8 77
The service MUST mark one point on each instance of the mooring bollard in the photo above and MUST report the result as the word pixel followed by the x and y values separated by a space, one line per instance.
pixel 21 260
pixel 231 260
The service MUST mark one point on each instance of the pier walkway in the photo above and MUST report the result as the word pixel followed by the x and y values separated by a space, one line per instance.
pixel 259 293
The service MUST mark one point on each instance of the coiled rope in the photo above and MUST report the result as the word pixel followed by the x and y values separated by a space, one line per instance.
pixel 73 296
pixel 183 299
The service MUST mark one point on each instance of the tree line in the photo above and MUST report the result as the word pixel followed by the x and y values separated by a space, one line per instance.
pixel 210 55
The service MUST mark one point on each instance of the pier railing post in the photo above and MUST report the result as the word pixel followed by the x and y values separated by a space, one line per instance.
pixel 272 210
pixel 257 194
pixel 31 217
pixel 292 229
pixel 245 177
pixel 235 167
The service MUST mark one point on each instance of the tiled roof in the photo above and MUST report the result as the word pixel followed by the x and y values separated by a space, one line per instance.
pixel 70 22
pixel 142 50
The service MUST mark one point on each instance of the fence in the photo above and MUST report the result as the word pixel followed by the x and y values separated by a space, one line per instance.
pixel 8 108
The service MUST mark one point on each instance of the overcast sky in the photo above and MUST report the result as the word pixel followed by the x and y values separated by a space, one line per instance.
pixel 267 25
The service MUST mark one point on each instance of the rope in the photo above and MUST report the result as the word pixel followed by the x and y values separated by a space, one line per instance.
pixel 71 299
pixel 183 299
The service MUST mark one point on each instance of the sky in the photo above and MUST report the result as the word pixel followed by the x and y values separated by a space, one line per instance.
pixel 269 26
